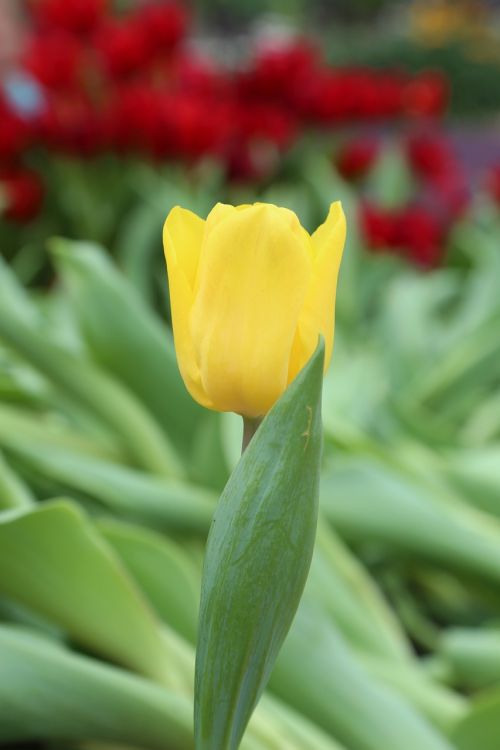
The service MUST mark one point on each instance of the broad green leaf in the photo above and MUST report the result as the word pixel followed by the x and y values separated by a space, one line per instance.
pixel 163 503
pixel 476 473
pixel 37 430
pixel 14 493
pixel 53 561
pixel 367 501
pixel 257 560
pixel 12 293
pixel 94 391
pixel 163 571
pixel 480 728
pixel 339 583
pixel 49 693
pixel 125 338
pixel 473 656
pixel 439 704
pixel 317 674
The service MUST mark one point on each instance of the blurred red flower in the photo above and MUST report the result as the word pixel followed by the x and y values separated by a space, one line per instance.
pixel 426 95
pixel 15 134
pixel 71 124
pixel 430 155
pixel 76 16
pixel 433 160
pixel 279 71
pixel 421 235
pixel 21 192
pixel 378 226
pixel 122 47
pixel 356 157
pixel 162 24
pixel 55 58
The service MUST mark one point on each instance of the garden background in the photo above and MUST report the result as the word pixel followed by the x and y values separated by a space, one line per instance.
pixel 112 113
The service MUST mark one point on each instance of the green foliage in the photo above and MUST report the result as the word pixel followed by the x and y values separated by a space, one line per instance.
pixel 257 559
pixel 396 644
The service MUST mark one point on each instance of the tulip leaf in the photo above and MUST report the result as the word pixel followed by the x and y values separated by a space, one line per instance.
pixel 318 674
pixel 92 390
pixel 133 345
pixel 480 728
pixel 257 560
pixel 54 562
pixel 154 501
pixel 47 692
pixel 164 571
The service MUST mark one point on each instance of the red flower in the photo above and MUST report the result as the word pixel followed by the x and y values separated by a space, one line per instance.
pixel 426 95
pixel 163 25
pixel 430 155
pixel 191 73
pixel 378 226
pixel 279 72
pixel 134 117
pixel 76 16
pixel 122 47
pixel 15 134
pixel 356 157
pixel 434 161
pixel 22 191
pixel 421 235
pixel 55 58
pixel 267 123
pixel 71 124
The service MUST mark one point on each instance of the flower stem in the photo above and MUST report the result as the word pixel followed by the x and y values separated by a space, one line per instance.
pixel 250 427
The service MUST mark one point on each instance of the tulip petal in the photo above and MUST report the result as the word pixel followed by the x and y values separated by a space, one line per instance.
pixel 184 231
pixel 251 286
pixel 182 239
pixel 318 313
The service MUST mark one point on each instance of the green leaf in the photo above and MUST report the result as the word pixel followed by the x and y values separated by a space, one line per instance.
pixel 49 693
pixel 390 181
pixel 347 593
pixel 257 560
pixel 92 389
pixel 480 729
pixel 13 492
pixel 367 501
pixel 163 571
pixel 473 655
pixel 163 503
pixel 53 561
pixel 317 674
pixel 125 338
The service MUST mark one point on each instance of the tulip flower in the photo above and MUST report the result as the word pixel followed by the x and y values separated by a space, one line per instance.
pixel 251 292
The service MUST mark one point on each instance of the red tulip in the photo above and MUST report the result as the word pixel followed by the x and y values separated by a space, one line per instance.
pixel 426 95
pixel 356 157
pixel 15 134
pixel 76 16
pixel 55 58
pixel 163 24
pixel 122 47
pixel 22 194
pixel 378 226
pixel 420 235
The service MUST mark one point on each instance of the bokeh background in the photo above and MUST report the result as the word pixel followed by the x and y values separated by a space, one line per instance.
pixel 110 114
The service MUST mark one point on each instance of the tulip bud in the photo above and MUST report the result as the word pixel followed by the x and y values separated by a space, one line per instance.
pixel 250 293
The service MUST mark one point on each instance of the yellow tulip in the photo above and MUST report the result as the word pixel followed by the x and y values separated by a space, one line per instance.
pixel 250 293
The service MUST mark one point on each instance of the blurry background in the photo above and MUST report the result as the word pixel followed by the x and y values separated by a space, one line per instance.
pixel 106 106
pixel 110 114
